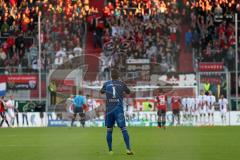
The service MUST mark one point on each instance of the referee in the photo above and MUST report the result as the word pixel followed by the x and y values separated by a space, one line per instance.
pixel 79 102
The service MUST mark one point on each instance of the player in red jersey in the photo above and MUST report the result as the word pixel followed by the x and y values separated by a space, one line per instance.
pixel 161 103
pixel 2 112
pixel 175 104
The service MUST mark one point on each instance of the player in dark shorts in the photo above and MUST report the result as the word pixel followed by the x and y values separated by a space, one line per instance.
pixel 176 103
pixel 16 115
pixel 79 103
pixel 161 103
pixel 2 112
pixel 115 90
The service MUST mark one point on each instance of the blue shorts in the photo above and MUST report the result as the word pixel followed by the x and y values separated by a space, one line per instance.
pixel 115 115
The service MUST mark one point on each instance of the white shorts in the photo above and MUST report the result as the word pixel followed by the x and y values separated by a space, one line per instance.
pixel 210 110
pixel 194 112
pixel 187 111
pixel 224 113
pixel 129 113
pixel 203 110
pixel 11 113
pixel 90 115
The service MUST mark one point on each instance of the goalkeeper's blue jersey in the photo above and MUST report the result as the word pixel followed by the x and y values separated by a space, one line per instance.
pixel 114 90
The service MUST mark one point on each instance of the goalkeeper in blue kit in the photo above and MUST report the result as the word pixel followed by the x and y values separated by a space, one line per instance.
pixel 114 90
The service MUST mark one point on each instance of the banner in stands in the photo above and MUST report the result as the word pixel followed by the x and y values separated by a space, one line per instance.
pixel 138 61
pixel 175 79
pixel 212 77
pixel 211 66
pixel 51 119
pixel 22 82
pixel 138 69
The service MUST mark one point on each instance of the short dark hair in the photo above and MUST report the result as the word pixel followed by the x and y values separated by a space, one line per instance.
pixel 114 74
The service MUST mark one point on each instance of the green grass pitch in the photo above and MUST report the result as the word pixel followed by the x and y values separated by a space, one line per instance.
pixel 174 143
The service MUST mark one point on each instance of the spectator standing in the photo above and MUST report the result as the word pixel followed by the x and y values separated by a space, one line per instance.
pixel 188 40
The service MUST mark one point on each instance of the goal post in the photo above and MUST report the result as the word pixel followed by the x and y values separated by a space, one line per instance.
pixel 150 91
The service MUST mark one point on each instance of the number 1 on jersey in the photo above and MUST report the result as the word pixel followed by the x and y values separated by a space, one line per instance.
pixel 114 92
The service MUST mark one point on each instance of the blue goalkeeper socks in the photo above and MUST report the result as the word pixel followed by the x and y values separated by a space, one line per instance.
pixel 126 138
pixel 109 139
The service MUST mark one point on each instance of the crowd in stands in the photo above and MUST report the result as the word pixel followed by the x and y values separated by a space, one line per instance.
pixel 152 29
pixel 62 32
pixel 212 32
pixel 140 29
pixel 128 29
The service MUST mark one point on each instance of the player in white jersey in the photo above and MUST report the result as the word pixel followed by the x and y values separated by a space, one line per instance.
pixel 69 105
pixel 193 110
pixel 11 109
pixel 184 107
pixel 92 106
pixel 202 105
pixel 210 108
pixel 188 108
pixel 223 104
pixel 128 108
